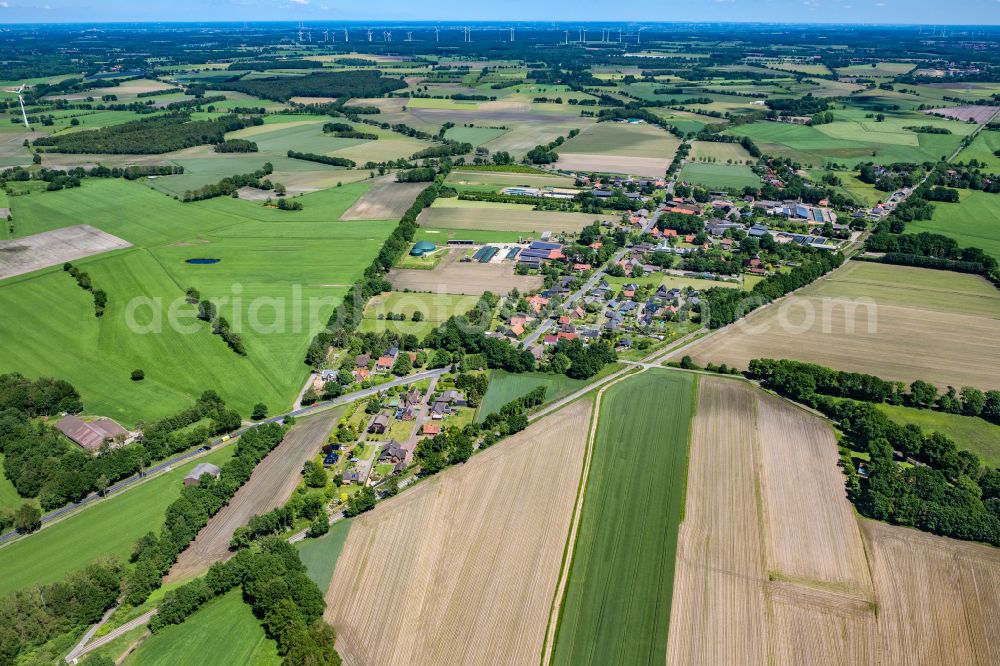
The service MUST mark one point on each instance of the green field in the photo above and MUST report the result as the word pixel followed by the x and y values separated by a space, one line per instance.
pixel 613 138
pixel 983 148
pixel 719 175
pixel 320 555
pixel 474 135
pixel 969 432
pixel 110 527
pixel 616 608
pixel 223 631
pixel 853 138
pixel 973 222
pixel 282 272
pixel 505 387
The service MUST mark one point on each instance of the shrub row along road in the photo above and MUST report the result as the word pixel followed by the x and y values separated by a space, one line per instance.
pixel 167 465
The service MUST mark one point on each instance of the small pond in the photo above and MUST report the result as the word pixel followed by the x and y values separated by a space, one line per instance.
pixel 203 261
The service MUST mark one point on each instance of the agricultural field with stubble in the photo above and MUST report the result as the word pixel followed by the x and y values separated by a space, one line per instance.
pixel 897 322
pixel 770 559
pixel 447 560
pixel 621 575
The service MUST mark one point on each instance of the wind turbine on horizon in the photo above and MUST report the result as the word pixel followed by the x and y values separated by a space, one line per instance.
pixel 20 98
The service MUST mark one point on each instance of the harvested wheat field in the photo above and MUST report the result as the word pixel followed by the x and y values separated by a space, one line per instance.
pixel 938 599
pixel 770 562
pixel 386 200
pixel 635 166
pixel 454 277
pixel 896 322
pixel 50 248
pixel 463 568
pixel 269 487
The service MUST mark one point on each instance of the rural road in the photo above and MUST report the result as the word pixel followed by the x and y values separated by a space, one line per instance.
pixel 271 484
pixel 166 465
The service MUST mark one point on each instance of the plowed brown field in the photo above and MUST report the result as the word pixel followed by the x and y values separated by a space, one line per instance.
pixel 463 568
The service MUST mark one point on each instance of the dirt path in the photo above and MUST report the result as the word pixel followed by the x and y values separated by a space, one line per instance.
pixel 270 486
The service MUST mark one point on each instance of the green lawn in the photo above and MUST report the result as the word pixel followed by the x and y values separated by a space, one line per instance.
pixel 110 527
pixel 505 387
pixel 281 274
pixel 719 175
pixel 973 222
pixel 616 609
pixel 969 432
pixel 983 148
pixel 223 631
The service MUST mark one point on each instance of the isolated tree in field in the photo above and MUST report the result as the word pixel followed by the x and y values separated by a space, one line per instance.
pixel 27 517
pixel 259 412
pixel 418 315
pixel 138 375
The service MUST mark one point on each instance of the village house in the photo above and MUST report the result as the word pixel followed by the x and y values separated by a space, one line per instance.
pixel 392 453
pixel 379 424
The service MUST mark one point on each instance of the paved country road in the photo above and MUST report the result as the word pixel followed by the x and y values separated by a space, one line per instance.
pixel 167 465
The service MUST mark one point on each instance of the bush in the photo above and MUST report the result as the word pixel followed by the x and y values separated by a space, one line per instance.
pixel 138 375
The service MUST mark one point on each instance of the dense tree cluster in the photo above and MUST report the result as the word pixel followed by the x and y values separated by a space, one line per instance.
pixel 356 83
pixel 347 131
pixel 32 617
pixel 418 175
pixel 154 555
pixel 274 582
pixel 446 149
pixel 262 65
pixel 236 146
pixel 227 186
pixel 322 159
pixel 161 134
pixel 947 491
pixel 930 250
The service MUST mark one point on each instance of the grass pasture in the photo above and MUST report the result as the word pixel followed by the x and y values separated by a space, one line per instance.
pixel 613 147
pixel 320 555
pixel 969 432
pixel 719 152
pixel 983 148
pixel 880 319
pixel 436 309
pixel 254 245
pixel 505 387
pixel 197 639
pixel 9 498
pixel 447 557
pixel 616 606
pixel 109 527
pixel 477 136
pixel 973 222
pixel 735 176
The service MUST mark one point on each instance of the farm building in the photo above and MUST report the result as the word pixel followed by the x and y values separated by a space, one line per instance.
pixel 421 248
pixel 93 434
pixel 194 478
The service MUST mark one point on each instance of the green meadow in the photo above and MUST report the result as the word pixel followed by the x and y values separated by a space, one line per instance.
pixel 712 175
pixel 973 222
pixel 9 499
pixel 969 432
pixel 320 555
pixel 108 528
pixel 616 608
pixel 505 387
pixel 223 631
pixel 280 273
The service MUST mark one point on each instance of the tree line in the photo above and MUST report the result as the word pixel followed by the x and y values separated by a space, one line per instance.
pixel 228 186
pixel 353 83
pixel 322 159
pixel 83 279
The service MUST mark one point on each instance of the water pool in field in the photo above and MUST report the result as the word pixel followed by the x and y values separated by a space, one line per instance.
pixel 203 261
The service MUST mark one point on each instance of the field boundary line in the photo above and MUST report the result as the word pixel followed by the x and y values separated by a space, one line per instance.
pixel 555 611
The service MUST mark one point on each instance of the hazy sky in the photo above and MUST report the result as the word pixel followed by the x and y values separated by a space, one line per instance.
pixel 977 12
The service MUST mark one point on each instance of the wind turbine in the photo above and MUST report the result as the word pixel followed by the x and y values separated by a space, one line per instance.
pixel 639 36
pixel 409 36
pixel 437 35
pixel 512 34
pixel 566 36
pixel 345 35
pixel 369 35
pixel 20 98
